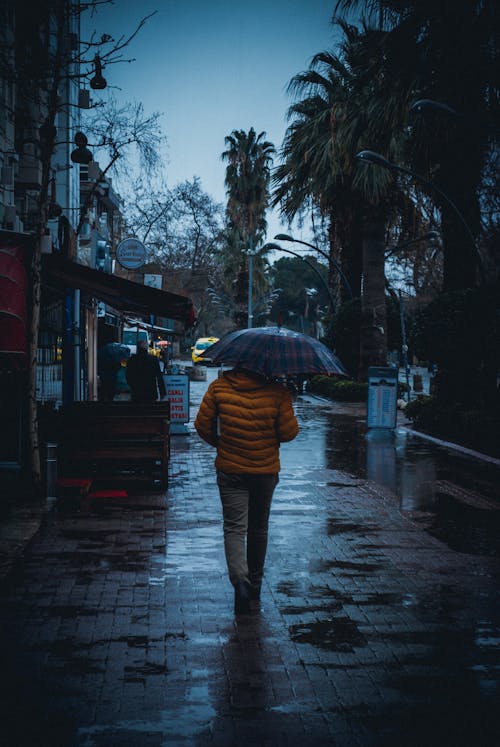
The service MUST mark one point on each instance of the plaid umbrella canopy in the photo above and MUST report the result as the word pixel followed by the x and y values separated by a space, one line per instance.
pixel 115 351
pixel 275 351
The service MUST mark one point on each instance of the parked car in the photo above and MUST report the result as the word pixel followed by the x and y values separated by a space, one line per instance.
pixel 202 344
pixel 132 335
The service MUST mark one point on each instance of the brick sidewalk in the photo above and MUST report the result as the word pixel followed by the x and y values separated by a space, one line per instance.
pixel 117 624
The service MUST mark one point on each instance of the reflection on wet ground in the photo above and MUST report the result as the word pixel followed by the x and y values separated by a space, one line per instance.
pixel 118 629
pixel 455 497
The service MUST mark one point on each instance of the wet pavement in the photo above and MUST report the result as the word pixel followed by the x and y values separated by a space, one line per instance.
pixel 381 610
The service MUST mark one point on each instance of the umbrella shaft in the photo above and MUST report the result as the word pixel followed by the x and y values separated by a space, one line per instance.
pixel 250 286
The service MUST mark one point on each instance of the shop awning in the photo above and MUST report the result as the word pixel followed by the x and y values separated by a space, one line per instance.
pixel 120 293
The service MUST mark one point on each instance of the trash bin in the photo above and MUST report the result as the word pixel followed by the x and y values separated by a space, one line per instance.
pixel 50 469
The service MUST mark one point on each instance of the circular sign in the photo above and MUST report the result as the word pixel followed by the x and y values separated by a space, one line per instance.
pixel 131 254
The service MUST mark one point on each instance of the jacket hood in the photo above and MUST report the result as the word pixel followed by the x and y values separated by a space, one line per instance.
pixel 244 381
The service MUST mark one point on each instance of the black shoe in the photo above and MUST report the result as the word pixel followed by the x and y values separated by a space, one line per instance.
pixel 242 598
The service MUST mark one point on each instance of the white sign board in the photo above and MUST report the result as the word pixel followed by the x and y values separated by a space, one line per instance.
pixel 382 397
pixel 177 386
pixel 154 281
pixel 131 254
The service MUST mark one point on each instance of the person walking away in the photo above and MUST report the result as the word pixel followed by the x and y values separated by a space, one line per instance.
pixel 246 417
pixel 108 378
pixel 166 356
pixel 144 376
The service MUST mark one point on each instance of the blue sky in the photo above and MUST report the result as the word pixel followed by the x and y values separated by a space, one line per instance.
pixel 212 67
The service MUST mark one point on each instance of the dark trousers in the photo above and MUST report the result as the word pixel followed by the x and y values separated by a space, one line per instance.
pixel 246 503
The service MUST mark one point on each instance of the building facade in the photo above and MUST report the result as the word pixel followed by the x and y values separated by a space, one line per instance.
pixel 60 224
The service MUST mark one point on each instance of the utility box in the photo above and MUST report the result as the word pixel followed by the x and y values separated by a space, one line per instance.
pixel 382 397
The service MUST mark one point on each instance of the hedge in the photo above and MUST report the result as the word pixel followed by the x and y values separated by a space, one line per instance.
pixel 343 391
pixel 474 428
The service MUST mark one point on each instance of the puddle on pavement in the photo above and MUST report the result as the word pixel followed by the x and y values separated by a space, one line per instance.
pixel 177 724
pixel 195 549
pixel 336 634
pixel 349 567
pixel 141 672
pixel 334 526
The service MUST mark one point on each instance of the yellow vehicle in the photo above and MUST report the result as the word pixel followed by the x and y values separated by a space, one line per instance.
pixel 202 344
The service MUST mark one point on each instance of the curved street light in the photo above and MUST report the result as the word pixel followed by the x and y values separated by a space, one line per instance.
pixel 369 156
pixel 423 105
pixel 332 262
pixel 276 247
pixel 429 236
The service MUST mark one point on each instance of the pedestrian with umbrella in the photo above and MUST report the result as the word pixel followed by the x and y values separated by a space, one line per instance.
pixel 110 358
pixel 274 352
pixel 165 353
pixel 247 416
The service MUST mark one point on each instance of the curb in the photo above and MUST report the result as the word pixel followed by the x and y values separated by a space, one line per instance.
pixel 451 445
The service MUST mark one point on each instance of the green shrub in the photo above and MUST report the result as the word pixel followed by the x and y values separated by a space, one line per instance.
pixel 343 391
pixel 460 332
pixel 403 389
pixel 475 428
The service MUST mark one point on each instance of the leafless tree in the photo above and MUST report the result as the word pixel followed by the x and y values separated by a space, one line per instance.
pixel 45 54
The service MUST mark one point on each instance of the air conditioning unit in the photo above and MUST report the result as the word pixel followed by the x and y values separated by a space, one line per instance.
pixel 9 217
pixel 30 175
pixel 93 170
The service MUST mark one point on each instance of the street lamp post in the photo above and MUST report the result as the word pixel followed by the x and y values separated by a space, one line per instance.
pixel 369 156
pixel 424 106
pixel 429 236
pixel 277 248
pixel 334 264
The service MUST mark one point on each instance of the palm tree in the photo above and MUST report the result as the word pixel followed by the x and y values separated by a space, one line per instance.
pixel 427 41
pixel 312 170
pixel 248 172
pixel 346 110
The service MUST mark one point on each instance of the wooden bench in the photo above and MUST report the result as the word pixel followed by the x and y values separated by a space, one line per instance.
pixel 116 443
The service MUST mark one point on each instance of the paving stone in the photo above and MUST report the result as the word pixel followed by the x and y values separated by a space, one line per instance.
pixel 117 625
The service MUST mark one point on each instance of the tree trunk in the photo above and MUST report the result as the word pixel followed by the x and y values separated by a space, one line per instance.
pixel 48 134
pixel 373 332
pixel 346 236
pixel 353 260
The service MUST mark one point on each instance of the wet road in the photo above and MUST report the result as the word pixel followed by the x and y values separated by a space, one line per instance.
pixel 380 622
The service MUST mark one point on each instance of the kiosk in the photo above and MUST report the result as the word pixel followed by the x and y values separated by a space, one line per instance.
pixel 382 397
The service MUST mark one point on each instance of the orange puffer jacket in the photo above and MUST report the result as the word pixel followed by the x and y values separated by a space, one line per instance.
pixel 246 418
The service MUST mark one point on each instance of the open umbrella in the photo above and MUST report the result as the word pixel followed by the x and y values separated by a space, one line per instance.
pixel 275 351
pixel 114 351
